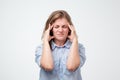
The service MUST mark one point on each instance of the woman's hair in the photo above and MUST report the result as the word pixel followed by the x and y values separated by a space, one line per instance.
pixel 57 15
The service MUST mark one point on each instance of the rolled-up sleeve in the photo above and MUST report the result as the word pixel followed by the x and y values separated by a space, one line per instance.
pixel 38 53
pixel 82 54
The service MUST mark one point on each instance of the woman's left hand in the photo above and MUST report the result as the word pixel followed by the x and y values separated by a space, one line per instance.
pixel 73 35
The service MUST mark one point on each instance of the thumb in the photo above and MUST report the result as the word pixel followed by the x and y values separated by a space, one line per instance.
pixel 69 36
pixel 51 37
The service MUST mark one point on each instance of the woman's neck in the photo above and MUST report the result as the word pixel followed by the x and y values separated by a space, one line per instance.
pixel 59 43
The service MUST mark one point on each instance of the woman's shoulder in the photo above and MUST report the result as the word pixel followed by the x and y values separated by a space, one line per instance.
pixel 40 45
pixel 81 46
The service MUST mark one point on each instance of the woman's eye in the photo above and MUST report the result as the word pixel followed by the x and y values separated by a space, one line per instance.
pixel 56 27
pixel 65 26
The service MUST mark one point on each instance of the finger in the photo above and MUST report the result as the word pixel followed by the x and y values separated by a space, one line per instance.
pixel 71 27
pixel 51 37
pixel 50 26
pixel 68 37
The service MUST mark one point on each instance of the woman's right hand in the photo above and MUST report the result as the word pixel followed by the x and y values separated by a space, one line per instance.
pixel 47 36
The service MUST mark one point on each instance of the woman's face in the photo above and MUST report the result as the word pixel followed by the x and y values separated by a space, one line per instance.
pixel 60 29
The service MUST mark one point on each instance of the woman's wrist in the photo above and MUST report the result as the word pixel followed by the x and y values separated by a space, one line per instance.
pixel 75 39
pixel 45 41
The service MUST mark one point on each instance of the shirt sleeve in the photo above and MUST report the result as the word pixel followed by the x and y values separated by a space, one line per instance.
pixel 82 54
pixel 38 54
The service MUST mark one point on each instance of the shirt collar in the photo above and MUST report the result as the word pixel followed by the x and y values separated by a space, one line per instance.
pixel 67 44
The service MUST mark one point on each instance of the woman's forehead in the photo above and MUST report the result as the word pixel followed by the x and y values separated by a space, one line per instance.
pixel 61 21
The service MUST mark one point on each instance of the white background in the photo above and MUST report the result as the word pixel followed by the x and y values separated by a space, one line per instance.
pixel 97 23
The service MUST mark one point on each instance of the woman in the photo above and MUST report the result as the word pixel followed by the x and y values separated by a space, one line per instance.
pixel 60 57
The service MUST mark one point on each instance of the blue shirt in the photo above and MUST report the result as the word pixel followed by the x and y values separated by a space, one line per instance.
pixel 60 55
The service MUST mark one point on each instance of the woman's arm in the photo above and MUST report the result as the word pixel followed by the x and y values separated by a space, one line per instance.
pixel 46 58
pixel 73 61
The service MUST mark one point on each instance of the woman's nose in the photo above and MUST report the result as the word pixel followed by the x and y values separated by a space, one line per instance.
pixel 60 29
